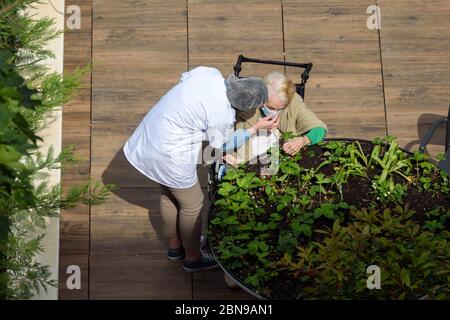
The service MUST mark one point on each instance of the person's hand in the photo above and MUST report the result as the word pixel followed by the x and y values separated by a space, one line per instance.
pixel 231 159
pixel 267 123
pixel 293 146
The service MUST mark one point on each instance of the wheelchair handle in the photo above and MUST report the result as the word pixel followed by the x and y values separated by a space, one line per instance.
pixel 304 76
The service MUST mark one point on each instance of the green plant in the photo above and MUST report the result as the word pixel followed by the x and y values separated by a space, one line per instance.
pixel 318 241
pixel 392 161
pixel 389 191
pixel 346 157
pixel 28 95
pixel 334 149
pixel 290 167
pixel 302 225
pixel 287 243
pixel 414 262
pixel 320 181
pixel 16 141
pixel 429 175
pixel 285 136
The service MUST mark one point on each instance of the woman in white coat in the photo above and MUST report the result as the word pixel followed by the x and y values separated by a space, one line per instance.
pixel 166 145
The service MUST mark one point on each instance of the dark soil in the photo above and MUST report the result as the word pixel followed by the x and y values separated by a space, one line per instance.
pixel 356 192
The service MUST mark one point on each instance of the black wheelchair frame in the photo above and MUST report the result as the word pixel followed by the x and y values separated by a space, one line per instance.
pixel 299 87
pixel 444 164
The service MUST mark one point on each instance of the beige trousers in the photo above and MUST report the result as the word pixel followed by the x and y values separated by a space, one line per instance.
pixel 181 214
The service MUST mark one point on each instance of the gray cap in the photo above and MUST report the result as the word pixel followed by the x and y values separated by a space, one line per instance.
pixel 246 93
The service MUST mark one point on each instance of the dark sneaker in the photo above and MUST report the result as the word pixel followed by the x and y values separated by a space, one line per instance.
pixel 205 262
pixel 175 254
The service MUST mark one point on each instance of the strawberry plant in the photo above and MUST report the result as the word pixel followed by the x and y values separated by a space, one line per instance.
pixel 311 230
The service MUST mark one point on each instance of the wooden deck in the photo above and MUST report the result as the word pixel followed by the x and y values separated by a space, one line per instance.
pixel 365 83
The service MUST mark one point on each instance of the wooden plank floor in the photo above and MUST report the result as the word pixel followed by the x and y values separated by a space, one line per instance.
pixel 345 89
pixel 74 246
pixel 415 45
pixel 365 83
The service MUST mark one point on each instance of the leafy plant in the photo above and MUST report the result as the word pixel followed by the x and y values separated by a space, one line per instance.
pixel 392 161
pixel 287 243
pixel 306 225
pixel 288 135
pixel 28 95
pixel 411 254
pixel 389 191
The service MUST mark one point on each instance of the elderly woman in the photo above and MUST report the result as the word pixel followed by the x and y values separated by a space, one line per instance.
pixel 293 115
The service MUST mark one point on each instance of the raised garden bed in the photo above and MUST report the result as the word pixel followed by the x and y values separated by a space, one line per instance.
pixel 332 210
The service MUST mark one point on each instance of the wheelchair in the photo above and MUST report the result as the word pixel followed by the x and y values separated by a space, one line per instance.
pixel 444 164
pixel 216 169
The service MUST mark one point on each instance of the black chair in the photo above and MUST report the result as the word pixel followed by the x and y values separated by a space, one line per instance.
pixel 444 164
pixel 300 87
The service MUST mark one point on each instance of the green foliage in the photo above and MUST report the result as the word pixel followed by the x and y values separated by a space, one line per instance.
pixel 287 243
pixel 27 36
pixel 290 167
pixel 287 135
pixel 55 89
pixel 28 96
pixel 414 262
pixel 298 222
pixel 26 276
pixel 16 142
pixel 393 161
pixel 389 191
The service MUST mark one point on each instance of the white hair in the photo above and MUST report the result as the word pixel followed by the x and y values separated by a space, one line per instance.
pixel 283 87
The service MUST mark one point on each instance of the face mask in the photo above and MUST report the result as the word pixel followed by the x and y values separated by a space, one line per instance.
pixel 269 112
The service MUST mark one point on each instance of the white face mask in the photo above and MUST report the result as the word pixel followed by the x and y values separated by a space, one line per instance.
pixel 269 112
